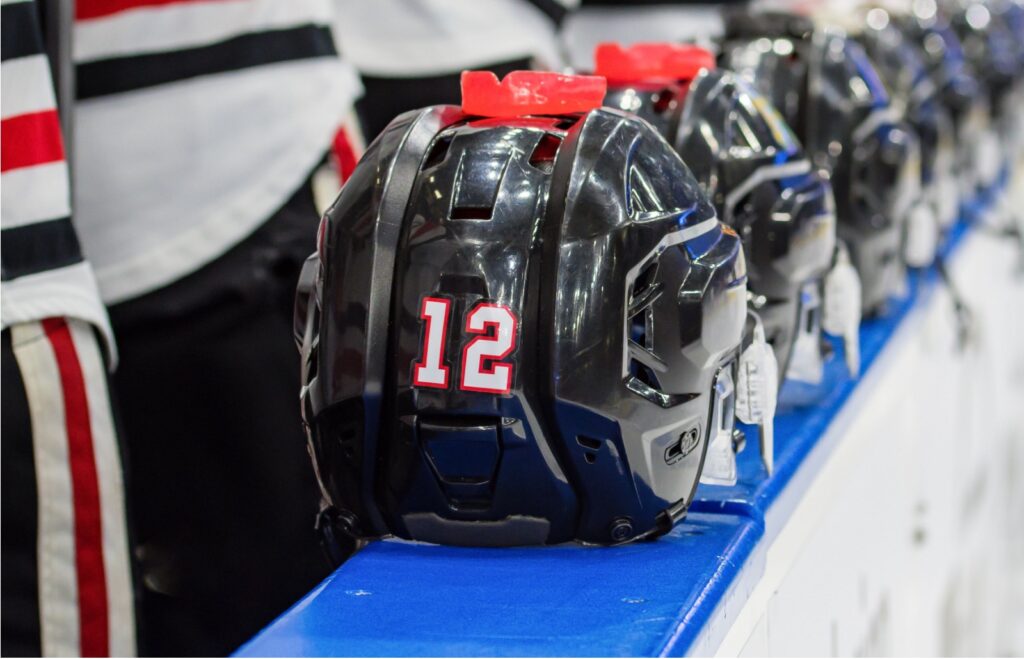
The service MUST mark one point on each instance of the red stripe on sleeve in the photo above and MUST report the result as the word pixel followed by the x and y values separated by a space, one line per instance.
pixel 344 154
pixel 30 139
pixel 86 9
pixel 93 615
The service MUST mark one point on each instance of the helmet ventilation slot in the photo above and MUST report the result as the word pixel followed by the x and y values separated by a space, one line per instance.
pixel 464 454
pixel 590 447
pixel 460 284
pixel 665 100
pixel 543 156
pixel 438 152
pixel 478 181
pixel 472 212
pixel 645 291
pixel 641 378
pixel 645 374
pixel 640 381
pixel 314 363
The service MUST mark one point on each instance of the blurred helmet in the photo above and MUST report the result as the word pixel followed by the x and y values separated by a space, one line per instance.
pixel 901 66
pixel 959 89
pixel 989 46
pixel 753 169
pixel 521 324
pixel 942 54
pixel 828 91
pixel 1011 14
pixel 993 52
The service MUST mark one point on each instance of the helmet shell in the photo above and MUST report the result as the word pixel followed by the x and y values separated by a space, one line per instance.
pixel 627 300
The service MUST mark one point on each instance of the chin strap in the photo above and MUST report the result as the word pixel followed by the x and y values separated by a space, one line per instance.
pixel 842 307
pixel 757 390
pixel 719 462
pixel 720 458
pixel 807 357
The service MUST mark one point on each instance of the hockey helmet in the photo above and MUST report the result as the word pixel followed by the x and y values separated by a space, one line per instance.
pixel 521 326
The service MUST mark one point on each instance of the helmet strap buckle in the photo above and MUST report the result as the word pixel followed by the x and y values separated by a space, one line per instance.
pixel 757 390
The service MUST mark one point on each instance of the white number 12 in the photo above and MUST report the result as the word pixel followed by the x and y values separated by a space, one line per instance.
pixel 495 326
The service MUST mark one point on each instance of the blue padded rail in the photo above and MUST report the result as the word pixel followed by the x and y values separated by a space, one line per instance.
pixel 655 598
pixel 399 598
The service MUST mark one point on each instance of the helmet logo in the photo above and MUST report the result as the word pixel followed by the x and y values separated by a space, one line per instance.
pixel 683 446
pixel 494 326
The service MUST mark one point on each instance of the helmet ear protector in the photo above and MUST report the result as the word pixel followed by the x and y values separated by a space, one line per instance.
pixel 515 322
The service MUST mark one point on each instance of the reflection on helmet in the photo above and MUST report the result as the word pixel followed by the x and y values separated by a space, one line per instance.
pixel 517 331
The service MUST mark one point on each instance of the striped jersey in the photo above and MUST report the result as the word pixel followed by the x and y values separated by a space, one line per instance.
pixel 403 39
pixel 634 21
pixel 43 272
pixel 195 121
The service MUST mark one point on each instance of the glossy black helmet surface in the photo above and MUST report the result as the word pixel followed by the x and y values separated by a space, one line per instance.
pixel 829 92
pixel 756 174
pixel 514 329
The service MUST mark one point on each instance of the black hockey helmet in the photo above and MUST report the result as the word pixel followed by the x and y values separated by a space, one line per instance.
pixel 521 325
pixel 829 92
pixel 905 74
pixel 943 56
pixel 991 48
pixel 989 45
pixel 1011 14
pixel 1011 120
pixel 960 90
pixel 753 169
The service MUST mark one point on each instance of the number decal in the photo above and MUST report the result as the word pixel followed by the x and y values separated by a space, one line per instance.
pixel 431 372
pixel 501 341
pixel 482 369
